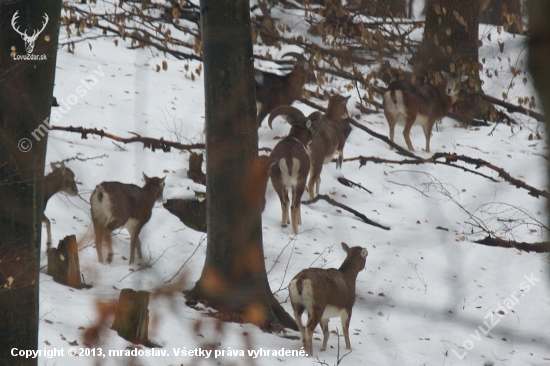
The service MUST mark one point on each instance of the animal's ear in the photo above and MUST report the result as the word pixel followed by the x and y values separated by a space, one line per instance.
pixel 364 252
pixel 326 94
pixel 464 78
pixel 146 178
pixel 345 247
pixel 162 181
pixel 445 75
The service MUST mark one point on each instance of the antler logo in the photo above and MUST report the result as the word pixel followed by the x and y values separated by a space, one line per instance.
pixel 29 40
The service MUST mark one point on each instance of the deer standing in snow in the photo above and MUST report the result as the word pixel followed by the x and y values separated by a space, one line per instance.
pixel 116 205
pixel 325 294
pixel 289 163
pixel 411 104
pixel 61 179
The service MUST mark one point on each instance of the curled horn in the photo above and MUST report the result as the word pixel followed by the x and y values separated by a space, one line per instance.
pixel 296 55
pixel 293 115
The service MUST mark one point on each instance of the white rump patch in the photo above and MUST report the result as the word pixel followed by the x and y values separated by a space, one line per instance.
pixel 306 298
pixel 101 210
pixel 290 179
pixel 421 120
pixel 130 225
pixel 334 312
pixel 394 108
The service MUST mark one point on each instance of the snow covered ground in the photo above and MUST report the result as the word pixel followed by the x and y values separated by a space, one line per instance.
pixel 427 295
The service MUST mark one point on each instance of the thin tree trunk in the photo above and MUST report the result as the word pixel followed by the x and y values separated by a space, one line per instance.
pixel 25 102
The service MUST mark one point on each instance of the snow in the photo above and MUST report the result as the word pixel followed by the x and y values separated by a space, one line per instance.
pixel 425 294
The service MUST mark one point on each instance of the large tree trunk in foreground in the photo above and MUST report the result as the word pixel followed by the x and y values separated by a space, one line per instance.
pixel 234 276
pixel 25 102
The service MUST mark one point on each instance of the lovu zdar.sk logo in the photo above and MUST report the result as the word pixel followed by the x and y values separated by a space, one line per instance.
pixel 29 39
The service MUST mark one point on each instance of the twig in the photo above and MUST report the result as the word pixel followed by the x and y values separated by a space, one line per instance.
pixel 77 157
pixel 349 183
pixel 408 185
pixel 147 265
pixel 330 248
pixel 420 276
pixel 293 239
pixel 347 208
pixel 187 260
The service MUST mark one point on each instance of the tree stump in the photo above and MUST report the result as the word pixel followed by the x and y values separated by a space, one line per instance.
pixel 191 211
pixel 195 168
pixel 63 264
pixel 132 317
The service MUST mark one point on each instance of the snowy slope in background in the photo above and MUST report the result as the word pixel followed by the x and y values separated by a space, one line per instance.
pixel 424 292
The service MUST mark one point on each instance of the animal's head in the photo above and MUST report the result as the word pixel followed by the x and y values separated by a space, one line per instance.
pixel 356 258
pixel 157 183
pixel 303 65
pixel 454 81
pixel 66 178
pixel 294 117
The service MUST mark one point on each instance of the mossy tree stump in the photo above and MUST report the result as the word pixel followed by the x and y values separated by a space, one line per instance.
pixel 63 263
pixel 132 317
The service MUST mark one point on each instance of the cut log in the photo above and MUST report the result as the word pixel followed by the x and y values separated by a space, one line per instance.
pixel 132 317
pixel 63 264
pixel 191 211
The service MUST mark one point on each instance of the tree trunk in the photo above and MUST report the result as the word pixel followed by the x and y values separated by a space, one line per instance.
pixel 506 13
pixel 234 275
pixel 450 43
pixel 539 54
pixel 25 102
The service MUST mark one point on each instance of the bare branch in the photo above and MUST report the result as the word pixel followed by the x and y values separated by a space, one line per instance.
pixel 347 208
pixel 150 143
pixel 541 247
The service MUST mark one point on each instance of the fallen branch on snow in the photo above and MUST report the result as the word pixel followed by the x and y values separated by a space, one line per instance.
pixel 449 159
pixel 153 144
pixel 324 197
pixel 349 183
pixel 542 247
